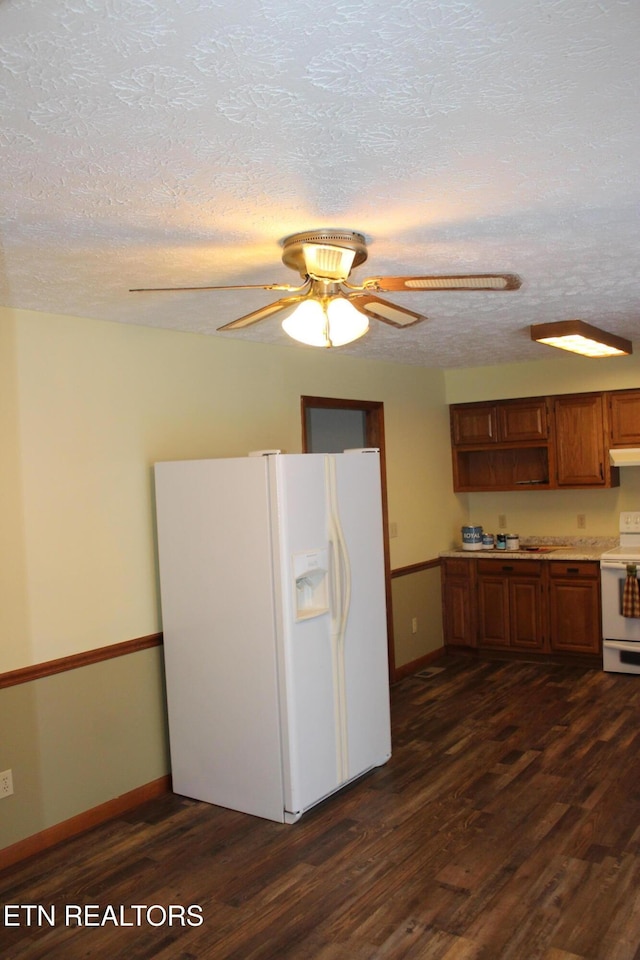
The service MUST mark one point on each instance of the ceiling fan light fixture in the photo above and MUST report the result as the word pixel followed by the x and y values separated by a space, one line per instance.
pixel 582 338
pixel 327 262
pixel 328 323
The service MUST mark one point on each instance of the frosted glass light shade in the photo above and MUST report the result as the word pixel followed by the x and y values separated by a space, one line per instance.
pixel 582 345
pixel 331 325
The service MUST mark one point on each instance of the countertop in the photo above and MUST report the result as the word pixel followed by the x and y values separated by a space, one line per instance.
pixel 559 548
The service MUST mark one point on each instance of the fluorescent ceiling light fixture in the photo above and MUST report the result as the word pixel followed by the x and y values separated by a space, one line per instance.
pixel 580 337
pixel 328 322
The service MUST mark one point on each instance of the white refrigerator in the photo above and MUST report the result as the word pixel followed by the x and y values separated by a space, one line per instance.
pixel 274 619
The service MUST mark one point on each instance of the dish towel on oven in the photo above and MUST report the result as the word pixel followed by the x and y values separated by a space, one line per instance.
pixel 631 594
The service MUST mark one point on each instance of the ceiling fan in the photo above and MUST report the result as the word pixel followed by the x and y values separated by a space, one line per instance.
pixel 330 311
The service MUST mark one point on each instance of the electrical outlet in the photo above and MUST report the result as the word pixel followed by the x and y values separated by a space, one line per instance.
pixel 582 521
pixel 414 625
pixel 6 783
pixel 502 521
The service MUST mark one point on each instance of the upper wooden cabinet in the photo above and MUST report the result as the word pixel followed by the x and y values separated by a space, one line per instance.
pixel 474 423
pixel 501 445
pixel 582 460
pixel 624 418
pixel 506 421
pixel 544 443
pixel 523 420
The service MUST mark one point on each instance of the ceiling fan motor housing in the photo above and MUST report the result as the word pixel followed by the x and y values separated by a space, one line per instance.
pixel 324 254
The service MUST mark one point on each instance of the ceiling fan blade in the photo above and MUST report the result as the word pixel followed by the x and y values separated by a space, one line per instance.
pixel 479 281
pixel 383 310
pixel 232 286
pixel 256 315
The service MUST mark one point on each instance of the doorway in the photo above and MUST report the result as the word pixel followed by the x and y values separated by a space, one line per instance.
pixel 331 425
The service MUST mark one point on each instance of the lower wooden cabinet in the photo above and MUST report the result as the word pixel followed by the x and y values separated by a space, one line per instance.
pixel 458 596
pixel 493 610
pixel 511 604
pixel 574 607
pixel 536 606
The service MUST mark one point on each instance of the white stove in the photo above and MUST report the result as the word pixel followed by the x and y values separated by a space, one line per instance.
pixel 621 635
pixel 628 554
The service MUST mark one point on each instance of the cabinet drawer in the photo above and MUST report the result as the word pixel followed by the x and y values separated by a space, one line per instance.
pixel 510 566
pixel 457 568
pixel 568 568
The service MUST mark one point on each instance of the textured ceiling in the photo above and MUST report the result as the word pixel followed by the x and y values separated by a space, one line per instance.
pixel 177 142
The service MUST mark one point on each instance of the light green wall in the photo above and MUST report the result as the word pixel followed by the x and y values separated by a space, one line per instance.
pixel 549 512
pixel 85 410
pixel 417 597
pixel 97 403
pixel 13 600
pixel 559 374
pixel 78 739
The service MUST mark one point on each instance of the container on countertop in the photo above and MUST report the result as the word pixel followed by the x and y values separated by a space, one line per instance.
pixel 472 537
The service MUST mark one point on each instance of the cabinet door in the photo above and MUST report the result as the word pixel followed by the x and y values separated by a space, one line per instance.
pixel 624 416
pixel 474 423
pixel 526 613
pixel 579 422
pixel 522 420
pixel 458 607
pixel 574 608
pixel 493 611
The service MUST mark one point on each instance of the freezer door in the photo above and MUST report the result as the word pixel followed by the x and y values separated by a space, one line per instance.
pixel 214 537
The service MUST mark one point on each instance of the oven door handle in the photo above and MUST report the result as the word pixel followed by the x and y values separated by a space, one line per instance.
pixel 615 564
pixel 628 646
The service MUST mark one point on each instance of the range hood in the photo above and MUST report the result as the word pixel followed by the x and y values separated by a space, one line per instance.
pixel 625 457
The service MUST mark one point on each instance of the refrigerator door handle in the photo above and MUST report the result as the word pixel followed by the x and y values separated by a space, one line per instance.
pixel 341 568
pixel 340 603
pixel 342 578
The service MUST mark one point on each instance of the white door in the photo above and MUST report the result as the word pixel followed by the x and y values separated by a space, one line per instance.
pixel 308 704
pixel 336 691
pixel 365 643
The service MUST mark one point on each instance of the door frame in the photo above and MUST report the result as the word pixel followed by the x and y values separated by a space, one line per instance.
pixel 374 437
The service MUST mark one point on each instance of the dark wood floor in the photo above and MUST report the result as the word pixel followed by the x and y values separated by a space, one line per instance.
pixel 506 825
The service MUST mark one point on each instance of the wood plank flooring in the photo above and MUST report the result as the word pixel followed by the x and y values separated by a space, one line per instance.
pixel 506 825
